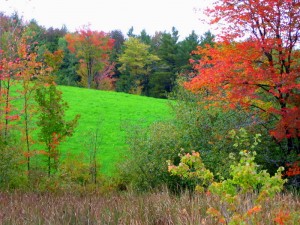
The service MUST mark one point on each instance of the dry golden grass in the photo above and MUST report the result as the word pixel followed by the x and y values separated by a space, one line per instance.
pixel 128 208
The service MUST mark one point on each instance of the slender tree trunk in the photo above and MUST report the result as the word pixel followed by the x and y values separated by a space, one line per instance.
pixel 7 109
pixel 90 75
pixel 27 132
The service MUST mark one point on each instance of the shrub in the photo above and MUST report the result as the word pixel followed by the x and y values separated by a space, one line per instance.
pixel 194 127
pixel 144 168
pixel 11 173
pixel 246 180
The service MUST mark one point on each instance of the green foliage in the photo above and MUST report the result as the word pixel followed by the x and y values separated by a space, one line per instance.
pixel 67 75
pixel 160 84
pixel 52 36
pixel 245 180
pixel 130 32
pixel 175 60
pixel 52 109
pixel 207 39
pixel 125 83
pixel 144 37
pixel 205 130
pixel 11 175
pixel 51 120
pixel 119 40
pixel 268 155
pixel 35 35
pixel 184 53
pixel 166 67
pixel 194 127
pixel 43 39
pixel 144 167
pixel 74 171
pixel 243 140
pixel 191 167
pixel 136 61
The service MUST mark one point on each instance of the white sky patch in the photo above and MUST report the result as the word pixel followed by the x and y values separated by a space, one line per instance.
pixel 107 15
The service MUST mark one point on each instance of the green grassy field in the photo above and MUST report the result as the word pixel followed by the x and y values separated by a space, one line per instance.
pixel 110 114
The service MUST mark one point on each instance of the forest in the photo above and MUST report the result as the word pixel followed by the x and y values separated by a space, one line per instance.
pixel 113 128
pixel 104 61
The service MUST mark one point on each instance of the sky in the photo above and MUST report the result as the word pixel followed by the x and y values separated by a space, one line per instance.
pixel 108 15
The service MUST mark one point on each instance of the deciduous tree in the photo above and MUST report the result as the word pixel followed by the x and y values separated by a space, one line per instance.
pixel 10 32
pixel 255 64
pixel 136 61
pixel 92 48
pixel 29 68
pixel 54 128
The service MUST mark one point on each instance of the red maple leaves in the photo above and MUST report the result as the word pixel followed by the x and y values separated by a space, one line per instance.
pixel 255 63
pixel 92 49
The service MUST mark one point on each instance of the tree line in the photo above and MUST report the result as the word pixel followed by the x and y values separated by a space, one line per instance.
pixel 139 63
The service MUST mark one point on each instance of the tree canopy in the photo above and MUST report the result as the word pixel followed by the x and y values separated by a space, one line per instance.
pixel 92 48
pixel 255 64
pixel 136 60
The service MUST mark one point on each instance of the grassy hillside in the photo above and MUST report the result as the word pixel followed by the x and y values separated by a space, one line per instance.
pixel 109 114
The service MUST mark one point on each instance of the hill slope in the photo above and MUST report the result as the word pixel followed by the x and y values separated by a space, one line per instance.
pixel 108 114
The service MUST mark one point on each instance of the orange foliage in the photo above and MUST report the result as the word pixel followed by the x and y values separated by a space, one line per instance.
pixel 91 48
pixel 293 169
pixel 253 210
pixel 255 63
pixel 282 218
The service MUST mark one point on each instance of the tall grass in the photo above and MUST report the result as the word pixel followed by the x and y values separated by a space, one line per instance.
pixel 126 208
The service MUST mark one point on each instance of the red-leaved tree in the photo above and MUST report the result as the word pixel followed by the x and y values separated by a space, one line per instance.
pixel 255 63
pixel 92 48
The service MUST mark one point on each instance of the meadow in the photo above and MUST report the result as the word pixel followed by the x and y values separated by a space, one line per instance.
pixel 110 115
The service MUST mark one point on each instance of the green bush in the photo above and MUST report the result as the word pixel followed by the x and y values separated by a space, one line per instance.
pixel 11 160
pixel 195 127
pixel 246 179
pixel 144 168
